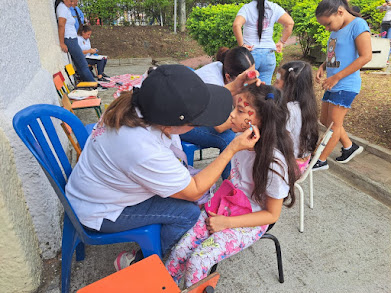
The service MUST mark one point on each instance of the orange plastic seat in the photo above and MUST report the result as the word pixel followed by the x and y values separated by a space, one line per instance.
pixel 87 103
pixel 90 102
pixel 148 276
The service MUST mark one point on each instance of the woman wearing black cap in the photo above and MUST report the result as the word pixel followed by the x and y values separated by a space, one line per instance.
pixel 128 175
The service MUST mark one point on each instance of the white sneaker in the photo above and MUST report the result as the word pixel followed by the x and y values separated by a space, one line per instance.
pixel 124 259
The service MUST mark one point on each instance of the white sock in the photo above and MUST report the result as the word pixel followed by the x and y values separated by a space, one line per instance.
pixel 346 149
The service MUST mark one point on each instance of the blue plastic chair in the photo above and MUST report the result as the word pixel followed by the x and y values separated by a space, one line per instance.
pixel 27 125
pixel 189 149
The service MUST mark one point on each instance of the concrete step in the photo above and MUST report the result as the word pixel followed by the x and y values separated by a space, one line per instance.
pixel 370 171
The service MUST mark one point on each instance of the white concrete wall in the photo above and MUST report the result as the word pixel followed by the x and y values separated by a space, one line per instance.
pixel 29 55
pixel 21 266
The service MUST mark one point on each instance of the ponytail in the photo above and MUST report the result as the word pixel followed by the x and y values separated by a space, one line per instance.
pixel 56 3
pixel 122 112
pixel 261 16
pixel 329 7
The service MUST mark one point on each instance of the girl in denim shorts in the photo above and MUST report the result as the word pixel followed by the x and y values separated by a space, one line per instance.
pixel 348 50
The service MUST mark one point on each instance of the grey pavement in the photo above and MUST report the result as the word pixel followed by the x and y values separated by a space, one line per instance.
pixel 345 247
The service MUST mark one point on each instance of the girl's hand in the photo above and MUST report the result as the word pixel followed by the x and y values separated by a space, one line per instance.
pixel 329 83
pixel 319 74
pixel 216 223
pixel 92 51
pixel 64 48
pixel 248 47
pixel 279 47
pixel 246 140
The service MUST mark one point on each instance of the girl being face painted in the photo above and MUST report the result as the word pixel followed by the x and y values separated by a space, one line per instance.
pixel 243 114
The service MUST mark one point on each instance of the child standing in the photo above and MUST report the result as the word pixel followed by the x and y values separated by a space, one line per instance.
pixel 266 174
pixel 295 79
pixel 348 50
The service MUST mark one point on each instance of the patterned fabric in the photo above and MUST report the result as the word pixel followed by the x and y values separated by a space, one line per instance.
pixel 124 82
pixel 197 251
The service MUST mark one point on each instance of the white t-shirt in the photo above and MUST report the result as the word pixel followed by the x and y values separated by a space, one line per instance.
pixel 64 12
pixel 387 16
pixel 293 125
pixel 387 9
pixel 84 44
pixel 123 168
pixel 212 73
pixel 249 11
pixel 242 176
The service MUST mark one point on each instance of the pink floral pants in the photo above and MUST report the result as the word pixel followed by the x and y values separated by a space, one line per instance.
pixel 197 251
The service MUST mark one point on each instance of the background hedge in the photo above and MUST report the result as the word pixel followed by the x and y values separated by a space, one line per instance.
pixel 211 26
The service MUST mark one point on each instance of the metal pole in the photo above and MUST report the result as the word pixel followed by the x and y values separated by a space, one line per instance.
pixel 175 2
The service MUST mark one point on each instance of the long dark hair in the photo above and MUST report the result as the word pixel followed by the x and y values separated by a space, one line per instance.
pixel 122 112
pixel 298 86
pixel 261 16
pixel 266 101
pixel 329 7
pixel 235 60
pixel 56 3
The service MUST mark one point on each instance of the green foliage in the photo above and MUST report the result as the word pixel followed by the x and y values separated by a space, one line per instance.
pixel 211 27
pixel 312 34
pixel 369 12
pixel 307 28
pixel 277 33
pixel 286 4
pixel 106 10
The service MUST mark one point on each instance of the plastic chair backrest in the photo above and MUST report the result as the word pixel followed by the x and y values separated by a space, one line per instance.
pixel 35 127
pixel 70 70
pixel 66 103
pixel 322 144
pixel 62 79
pixel 60 75
pixel 58 82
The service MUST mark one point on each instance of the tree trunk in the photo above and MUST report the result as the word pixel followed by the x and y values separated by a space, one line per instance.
pixel 182 15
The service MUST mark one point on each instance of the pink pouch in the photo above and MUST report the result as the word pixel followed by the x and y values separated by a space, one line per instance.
pixel 228 201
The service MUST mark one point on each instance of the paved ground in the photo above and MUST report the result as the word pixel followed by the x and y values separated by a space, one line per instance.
pixel 345 247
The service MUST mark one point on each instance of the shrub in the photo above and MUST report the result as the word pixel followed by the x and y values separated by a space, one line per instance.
pixel 311 33
pixel 307 28
pixel 369 12
pixel 211 27
pixel 286 4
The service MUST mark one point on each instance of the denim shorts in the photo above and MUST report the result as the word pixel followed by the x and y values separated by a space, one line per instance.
pixel 340 98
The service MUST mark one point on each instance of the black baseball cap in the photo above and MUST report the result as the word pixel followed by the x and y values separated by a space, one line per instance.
pixel 173 95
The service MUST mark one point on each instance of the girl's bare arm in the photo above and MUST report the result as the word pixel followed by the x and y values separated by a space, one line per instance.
pixel 269 215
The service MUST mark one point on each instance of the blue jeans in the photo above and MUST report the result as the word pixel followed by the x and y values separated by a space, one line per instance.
pixel 265 63
pixel 388 36
pixel 79 59
pixel 209 137
pixel 99 63
pixel 176 216
pixel 340 98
